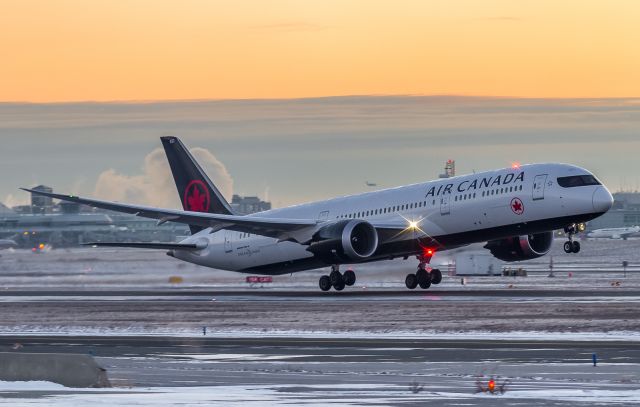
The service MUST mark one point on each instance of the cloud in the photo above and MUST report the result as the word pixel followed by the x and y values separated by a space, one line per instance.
pixel 215 169
pixel 155 185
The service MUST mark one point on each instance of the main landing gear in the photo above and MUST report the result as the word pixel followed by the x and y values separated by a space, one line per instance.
pixel 337 280
pixel 422 277
pixel 572 246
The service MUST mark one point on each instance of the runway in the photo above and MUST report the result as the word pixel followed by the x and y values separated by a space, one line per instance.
pixel 306 293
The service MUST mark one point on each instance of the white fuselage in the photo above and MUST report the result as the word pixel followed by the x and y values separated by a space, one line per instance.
pixel 454 211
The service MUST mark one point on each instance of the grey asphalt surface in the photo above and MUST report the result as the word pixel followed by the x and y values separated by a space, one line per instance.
pixel 312 368
pixel 259 294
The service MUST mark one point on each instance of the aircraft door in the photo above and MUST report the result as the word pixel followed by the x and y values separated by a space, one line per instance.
pixel 323 216
pixel 538 186
pixel 227 241
pixel 445 204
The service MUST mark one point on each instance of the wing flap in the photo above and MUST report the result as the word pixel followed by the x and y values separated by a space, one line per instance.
pixel 141 245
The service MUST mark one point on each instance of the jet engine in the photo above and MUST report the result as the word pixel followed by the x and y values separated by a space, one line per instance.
pixel 346 240
pixel 518 248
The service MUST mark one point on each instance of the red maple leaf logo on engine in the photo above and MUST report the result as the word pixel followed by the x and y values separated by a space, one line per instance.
pixel 517 206
pixel 196 197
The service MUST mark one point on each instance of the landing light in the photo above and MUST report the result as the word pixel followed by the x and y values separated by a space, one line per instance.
pixel 413 224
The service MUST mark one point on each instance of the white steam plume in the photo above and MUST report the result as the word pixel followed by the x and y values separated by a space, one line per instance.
pixel 155 185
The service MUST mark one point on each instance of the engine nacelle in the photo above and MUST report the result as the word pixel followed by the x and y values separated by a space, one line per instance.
pixel 346 240
pixel 518 248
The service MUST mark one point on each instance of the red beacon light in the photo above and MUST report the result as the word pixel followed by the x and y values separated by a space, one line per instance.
pixel 491 385
pixel 428 252
pixel 515 165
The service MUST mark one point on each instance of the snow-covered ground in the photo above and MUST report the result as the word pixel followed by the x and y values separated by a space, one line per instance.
pixel 125 268
pixel 48 394
pixel 318 377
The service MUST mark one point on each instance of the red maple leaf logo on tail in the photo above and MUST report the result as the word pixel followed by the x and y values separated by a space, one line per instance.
pixel 196 197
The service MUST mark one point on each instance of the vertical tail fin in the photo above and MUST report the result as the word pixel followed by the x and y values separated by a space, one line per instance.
pixel 197 192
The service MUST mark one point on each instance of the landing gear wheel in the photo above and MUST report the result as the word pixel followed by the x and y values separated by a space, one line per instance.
pixel 339 286
pixel 424 279
pixel 568 247
pixel 349 277
pixel 411 281
pixel 425 285
pixel 325 283
pixel 436 276
pixel 575 247
pixel 336 278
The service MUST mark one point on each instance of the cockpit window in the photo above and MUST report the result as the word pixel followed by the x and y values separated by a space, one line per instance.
pixel 577 181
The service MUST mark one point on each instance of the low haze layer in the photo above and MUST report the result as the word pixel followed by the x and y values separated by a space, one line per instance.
pixel 307 149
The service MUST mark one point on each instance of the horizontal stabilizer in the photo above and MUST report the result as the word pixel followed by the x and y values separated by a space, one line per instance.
pixel 161 246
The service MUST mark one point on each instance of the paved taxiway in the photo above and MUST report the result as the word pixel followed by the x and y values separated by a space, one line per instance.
pixel 355 372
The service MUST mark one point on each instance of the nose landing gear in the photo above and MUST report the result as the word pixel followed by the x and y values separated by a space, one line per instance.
pixel 337 280
pixel 572 246
pixel 423 277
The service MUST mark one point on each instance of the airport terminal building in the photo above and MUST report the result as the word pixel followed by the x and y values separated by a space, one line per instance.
pixel 68 224
pixel 624 213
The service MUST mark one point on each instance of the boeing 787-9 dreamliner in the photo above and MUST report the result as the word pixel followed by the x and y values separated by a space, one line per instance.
pixel 514 210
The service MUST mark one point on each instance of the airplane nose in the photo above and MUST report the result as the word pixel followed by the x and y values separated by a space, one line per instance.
pixel 602 199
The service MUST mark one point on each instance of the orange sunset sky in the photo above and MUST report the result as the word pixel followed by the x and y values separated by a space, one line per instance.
pixel 68 50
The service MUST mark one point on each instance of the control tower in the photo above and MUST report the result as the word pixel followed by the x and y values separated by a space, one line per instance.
pixel 449 169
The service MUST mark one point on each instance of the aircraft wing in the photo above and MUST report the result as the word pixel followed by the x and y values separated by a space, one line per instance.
pixel 284 229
